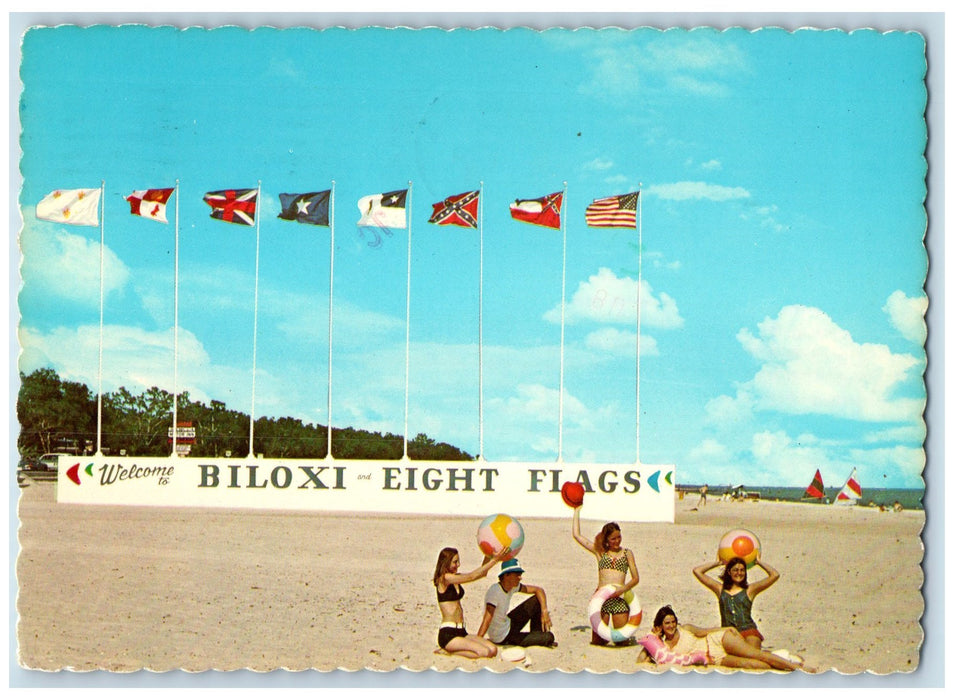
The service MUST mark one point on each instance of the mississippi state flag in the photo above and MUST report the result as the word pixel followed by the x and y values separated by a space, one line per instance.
pixel 387 210
pixel 150 204
pixel 544 211
pixel 233 206
pixel 457 210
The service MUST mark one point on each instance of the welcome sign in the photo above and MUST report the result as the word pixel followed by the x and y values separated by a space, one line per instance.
pixel 630 492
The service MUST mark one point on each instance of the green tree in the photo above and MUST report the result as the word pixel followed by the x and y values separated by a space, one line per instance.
pixel 50 409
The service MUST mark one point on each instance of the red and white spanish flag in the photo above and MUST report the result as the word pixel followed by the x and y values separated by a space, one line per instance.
pixel 150 204
pixel 76 207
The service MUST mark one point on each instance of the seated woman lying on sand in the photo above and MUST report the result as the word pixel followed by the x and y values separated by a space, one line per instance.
pixel 671 642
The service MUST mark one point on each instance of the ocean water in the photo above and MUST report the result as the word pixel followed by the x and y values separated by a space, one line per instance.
pixel 910 499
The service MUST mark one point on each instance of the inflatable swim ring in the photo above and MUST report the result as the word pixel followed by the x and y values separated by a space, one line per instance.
pixel 662 654
pixel 605 630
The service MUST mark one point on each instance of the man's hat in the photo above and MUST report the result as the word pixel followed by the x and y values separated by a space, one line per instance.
pixel 511 566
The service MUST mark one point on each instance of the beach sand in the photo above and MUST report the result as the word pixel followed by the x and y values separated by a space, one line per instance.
pixel 126 588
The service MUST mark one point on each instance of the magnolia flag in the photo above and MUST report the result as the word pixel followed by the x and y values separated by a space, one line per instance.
pixel 544 211
pixel 618 211
pixel 150 204
pixel 77 207
pixel 233 206
pixel 457 210
pixel 309 208
pixel 384 210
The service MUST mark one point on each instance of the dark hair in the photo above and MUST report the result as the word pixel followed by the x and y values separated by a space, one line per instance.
pixel 600 540
pixel 727 581
pixel 443 562
pixel 662 614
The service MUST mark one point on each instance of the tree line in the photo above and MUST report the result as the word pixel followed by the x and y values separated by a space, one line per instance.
pixel 58 415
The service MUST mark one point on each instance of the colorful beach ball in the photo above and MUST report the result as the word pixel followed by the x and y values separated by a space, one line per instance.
pixel 498 531
pixel 740 543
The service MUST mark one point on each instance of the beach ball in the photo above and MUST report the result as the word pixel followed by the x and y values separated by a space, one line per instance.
pixel 498 531
pixel 572 493
pixel 740 543
pixel 635 609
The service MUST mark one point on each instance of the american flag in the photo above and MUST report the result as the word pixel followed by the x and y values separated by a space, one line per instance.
pixel 233 206
pixel 618 211
pixel 457 210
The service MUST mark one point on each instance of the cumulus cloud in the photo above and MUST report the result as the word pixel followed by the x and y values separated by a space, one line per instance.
pixel 622 343
pixel 606 298
pixel 907 315
pixel 696 190
pixel 66 266
pixel 812 366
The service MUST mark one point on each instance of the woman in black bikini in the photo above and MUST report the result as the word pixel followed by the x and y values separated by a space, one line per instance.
pixel 613 563
pixel 452 635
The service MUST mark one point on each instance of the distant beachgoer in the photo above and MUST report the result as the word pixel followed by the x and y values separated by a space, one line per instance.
pixel 897 507
pixel 736 595
pixel 503 622
pixel 452 635
pixel 722 646
pixel 702 495
pixel 613 564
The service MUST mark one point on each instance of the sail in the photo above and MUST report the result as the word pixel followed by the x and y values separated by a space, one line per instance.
pixel 851 491
pixel 816 489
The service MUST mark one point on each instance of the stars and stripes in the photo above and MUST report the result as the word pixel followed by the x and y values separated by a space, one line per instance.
pixel 618 211
pixel 457 210
pixel 233 206
pixel 150 204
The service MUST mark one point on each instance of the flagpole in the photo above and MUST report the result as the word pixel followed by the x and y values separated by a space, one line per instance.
pixel 99 372
pixel 480 328
pixel 562 325
pixel 175 336
pixel 331 292
pixel 639 289
pixel 407 319
pixel 258 228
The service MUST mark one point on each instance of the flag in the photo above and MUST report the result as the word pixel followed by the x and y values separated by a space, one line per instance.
pixel 233 206
pixel 77 207
pixel 150 204
pixel 457 210
pixel 310 208
pixel 384 210
pixel 544 211
pixel 618 211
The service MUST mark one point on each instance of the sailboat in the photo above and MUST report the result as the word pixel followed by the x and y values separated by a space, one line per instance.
pixel 851 492
pixel 816 489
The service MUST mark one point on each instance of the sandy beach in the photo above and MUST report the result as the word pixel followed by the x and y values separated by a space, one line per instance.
pixel 127 588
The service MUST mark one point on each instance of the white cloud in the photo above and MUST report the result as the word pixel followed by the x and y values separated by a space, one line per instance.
pixel 599 164
pixel 909 461
pixel 66 266
pixel 711 165
pixel 621 343
pixel 811 366
pixel 606 298
pixel 696 190
pixel 907 315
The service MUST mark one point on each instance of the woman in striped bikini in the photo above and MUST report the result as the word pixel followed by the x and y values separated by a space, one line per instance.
pixel 452 635
pixel 613 564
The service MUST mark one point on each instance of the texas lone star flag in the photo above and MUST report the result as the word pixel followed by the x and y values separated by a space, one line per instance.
pixel 543 211
pixel 233 206
pixel 76 207
pixel 309 208
pixel 618 211
pixel 457 210
pixel 150 204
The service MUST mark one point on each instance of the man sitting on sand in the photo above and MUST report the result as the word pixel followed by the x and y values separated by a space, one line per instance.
pixel 504 625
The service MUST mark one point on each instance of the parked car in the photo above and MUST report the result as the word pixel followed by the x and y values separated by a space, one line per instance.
pixel 49 460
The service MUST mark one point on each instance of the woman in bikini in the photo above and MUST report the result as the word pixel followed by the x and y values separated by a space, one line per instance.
pixel 718 646
pixel 613 563
pixel 452 635
pixel 736 595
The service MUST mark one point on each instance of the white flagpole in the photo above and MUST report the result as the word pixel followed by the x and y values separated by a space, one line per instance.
pixel 407 319
pixel 331 292
pixel 99 372
pixel 480 327
pixel 175 336
pixel 562 324
pixel 639 289
pixel 258 228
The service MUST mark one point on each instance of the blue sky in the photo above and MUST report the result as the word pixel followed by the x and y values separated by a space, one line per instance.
pixel 782 185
